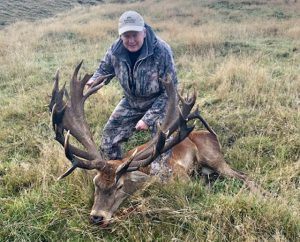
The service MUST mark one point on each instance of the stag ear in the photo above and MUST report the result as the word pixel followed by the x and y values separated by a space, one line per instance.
pixel 134 180
pixel 138 176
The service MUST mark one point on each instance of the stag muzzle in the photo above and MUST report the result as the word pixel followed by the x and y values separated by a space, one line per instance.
pixel 96 219
pixel 100 219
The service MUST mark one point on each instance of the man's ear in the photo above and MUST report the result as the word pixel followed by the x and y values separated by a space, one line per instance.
pixel 145 31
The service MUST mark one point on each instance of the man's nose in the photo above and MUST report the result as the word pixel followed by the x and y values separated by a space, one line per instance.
pixel 131 39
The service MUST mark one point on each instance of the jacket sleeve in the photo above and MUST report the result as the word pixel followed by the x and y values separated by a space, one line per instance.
pixel 157 109
pixel 105 67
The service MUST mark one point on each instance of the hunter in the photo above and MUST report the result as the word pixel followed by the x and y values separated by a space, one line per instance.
pixel 139 59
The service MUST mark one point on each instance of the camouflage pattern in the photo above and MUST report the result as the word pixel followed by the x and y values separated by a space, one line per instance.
pixel 144 94
pixel 120 127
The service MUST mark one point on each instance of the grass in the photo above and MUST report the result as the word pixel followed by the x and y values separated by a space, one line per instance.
pixel 17 10
pixel 242 57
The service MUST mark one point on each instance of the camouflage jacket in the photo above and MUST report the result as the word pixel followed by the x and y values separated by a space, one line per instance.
pixel 142 87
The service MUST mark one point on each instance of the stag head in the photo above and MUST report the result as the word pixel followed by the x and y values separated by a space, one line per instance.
pixel 115 180
pixel 109 194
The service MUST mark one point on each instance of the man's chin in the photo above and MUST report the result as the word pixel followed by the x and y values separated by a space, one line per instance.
pixel 134 49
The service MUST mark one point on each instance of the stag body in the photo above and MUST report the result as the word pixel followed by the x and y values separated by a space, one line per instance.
pixel 117 179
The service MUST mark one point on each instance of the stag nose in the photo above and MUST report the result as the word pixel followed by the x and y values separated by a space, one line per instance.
pixel 96 219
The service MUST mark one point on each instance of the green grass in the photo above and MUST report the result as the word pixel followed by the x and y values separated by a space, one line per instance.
pixel 242 57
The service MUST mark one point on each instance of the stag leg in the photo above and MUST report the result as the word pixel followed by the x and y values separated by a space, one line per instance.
pixel 225 170
pixel 209 155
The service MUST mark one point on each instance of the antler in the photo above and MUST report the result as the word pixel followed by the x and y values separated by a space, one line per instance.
pixel 70 116
pixel 174 124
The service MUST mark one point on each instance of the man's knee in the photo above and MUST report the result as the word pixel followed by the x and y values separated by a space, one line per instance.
pixel 112 139
pixel 112 152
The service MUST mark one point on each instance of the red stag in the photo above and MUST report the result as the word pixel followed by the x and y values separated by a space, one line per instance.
pixel 117 179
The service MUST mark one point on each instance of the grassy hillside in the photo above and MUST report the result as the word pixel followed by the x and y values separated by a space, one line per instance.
pixel 243 59
pixel 32 10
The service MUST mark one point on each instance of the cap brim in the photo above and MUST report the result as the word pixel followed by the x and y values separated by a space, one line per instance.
pixel 130 28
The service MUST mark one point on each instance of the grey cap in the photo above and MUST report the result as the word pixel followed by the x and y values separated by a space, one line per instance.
pixel 131 21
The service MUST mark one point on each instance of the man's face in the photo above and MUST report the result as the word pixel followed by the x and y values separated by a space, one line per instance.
pixel 133 40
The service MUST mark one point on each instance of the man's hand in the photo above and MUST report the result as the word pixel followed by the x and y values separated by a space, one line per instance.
pixel 90 83
pixel 141 125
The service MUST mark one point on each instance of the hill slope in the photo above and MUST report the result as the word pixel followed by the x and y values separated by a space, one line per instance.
pixel 18 10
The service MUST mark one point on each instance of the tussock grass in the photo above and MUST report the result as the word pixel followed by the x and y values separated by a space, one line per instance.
pixel 242 57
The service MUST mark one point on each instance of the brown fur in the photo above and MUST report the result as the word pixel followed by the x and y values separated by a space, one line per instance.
pixel 202 150
pixel 114 181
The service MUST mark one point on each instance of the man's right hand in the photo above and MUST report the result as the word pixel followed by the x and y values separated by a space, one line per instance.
pixel 90 83
pixel 141 125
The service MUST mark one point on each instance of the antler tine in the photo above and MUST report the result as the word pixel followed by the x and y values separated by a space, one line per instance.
pixel 187 103
pixel 87 165
pixel 98 84
pixel 74 117
pixel 155 152
pixel 57 117
pixel 171 114
pixel 172 109
pixel 124 167
pixel 100 79
pixel 68 154
pixel 163 145
pixel 182 133
pixel 75 74
pixel 170 124
pixel 81 163
pixel 196 115
pixel 57 107
pixel 59 136
pixel 54 90
pixel 70 116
